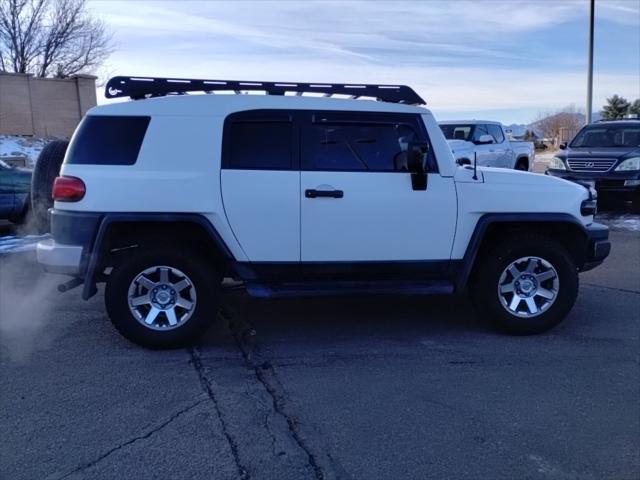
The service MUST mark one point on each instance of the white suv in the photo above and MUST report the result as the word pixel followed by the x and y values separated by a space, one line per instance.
pixel 296 195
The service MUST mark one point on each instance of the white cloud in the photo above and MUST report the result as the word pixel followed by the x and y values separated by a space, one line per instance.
pixel 460 55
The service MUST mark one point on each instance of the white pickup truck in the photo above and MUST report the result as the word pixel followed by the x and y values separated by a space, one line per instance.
pixel 489 142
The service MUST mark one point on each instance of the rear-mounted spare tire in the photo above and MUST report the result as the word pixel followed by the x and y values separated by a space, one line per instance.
pixel 46 170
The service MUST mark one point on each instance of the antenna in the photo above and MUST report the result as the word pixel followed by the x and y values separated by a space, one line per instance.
pixel 475 165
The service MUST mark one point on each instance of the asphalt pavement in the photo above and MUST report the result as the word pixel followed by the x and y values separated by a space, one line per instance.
pixel 363 388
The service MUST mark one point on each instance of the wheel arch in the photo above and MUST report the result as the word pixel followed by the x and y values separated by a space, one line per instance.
pixel 118 233
pixel 523 157
pixel 492 228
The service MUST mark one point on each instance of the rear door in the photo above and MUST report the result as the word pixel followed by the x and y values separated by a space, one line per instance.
pixel 260 181
pixel 358 204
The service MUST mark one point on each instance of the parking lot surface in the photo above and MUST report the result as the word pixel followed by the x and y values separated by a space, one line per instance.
pixel 387 387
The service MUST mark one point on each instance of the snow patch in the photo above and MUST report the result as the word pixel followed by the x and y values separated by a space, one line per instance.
pixel 27 147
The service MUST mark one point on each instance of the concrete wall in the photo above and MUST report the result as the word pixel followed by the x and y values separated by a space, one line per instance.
pixel 44 107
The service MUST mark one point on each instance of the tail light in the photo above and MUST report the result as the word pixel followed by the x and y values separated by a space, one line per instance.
pixel 68 189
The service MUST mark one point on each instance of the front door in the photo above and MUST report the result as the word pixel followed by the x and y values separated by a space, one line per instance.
pixel 6 190
pixel 357 201
pixel 485 152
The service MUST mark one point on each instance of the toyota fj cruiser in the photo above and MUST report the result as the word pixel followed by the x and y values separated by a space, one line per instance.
pixel 296 194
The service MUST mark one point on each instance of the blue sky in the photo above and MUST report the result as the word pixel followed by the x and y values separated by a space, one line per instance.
pixel 506 60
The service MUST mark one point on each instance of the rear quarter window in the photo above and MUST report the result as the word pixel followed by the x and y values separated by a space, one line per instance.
pixel 107 140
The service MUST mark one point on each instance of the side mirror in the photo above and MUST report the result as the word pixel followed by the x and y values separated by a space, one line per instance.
pixel 563 145
pixel 463 161
pixel 416 158
pixel 484 139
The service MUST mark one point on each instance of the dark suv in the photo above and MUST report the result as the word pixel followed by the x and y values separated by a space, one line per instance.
pixel 15 184
pixel 607 154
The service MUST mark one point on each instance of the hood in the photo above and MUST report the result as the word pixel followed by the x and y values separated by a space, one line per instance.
pixel 527 179
pixel 592 152
pixel 461 148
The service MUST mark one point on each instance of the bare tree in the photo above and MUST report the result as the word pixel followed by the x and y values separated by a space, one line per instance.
pixel 51 38
pixel 561 125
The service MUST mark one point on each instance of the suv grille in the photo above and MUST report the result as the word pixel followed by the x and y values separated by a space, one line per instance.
pixel 592 164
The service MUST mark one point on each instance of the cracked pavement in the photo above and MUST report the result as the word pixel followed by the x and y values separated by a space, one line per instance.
pixel 391 387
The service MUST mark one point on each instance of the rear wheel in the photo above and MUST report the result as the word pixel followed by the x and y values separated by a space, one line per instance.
pixel 162 298
pixel 526 285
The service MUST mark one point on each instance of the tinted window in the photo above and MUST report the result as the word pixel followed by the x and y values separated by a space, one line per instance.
pixel 608 136
pixel 496 132
pixel 457 132
pixel 479 131
pixel 107 140
pixel 353 146
pixel 258 145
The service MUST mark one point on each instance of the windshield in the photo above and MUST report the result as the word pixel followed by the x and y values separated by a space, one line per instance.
pixel 608 136
pixel 3 165
pixel 457 131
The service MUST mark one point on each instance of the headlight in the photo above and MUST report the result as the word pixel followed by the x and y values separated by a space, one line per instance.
pixel 556 164
pixel 629 164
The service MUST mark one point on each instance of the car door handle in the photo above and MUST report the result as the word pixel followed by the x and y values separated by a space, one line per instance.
pixel 312 193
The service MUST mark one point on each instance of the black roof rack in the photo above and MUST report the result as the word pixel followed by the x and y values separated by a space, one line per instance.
pixel 146 87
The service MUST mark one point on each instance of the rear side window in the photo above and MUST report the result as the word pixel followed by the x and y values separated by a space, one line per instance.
pixel 108 140
pixel 258 140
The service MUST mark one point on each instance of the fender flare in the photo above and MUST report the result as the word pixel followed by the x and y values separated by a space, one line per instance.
pixel 92 257
pixel 489 219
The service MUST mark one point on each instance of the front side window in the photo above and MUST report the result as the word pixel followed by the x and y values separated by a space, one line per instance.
pixel 258 141
pixel 496 132
pixel 608 136
pixel 377 147
pixel 479 131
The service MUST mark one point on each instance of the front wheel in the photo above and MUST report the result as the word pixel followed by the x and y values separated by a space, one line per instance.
pixel 162 297
pixel 526 285
pixel 522 165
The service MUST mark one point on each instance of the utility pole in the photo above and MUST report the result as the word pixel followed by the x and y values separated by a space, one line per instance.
pixel 590 74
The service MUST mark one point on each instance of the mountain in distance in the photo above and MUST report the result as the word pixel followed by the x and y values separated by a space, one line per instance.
pixel 519 129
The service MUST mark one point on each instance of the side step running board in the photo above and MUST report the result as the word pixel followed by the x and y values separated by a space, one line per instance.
pixel 316 289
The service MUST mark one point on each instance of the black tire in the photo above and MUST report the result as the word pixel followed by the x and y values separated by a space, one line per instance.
pixel 22 217
pixel 522 165
pixel 486 281
pixel 205 282
pixel 46 170
pixel 635 203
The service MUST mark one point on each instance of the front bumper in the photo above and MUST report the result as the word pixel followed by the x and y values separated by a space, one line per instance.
pixel 598 246
pixel 626 184
pixel 59 258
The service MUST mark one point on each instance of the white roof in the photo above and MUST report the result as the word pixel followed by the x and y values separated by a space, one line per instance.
pixel 224 104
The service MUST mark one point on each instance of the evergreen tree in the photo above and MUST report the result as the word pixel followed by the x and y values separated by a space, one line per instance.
pixel 616 108
pixel 635 107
